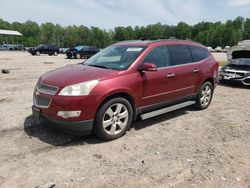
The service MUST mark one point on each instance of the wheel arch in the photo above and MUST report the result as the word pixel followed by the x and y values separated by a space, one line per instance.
pixel 124 95
pixel 209 79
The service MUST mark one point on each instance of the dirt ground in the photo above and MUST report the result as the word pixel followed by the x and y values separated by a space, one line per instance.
pixel 185 148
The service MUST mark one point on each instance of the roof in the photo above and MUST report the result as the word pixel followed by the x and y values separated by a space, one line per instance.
pixel 10 32
pixel 148 42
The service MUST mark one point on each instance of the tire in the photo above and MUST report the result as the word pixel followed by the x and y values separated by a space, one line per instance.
pixel 37 53
pixel 55 53
pixel 204 96
pixel 78 56
pixel 113 119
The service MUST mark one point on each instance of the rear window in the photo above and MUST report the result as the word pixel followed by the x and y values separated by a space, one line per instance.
pixel 198 53
pixel 181 55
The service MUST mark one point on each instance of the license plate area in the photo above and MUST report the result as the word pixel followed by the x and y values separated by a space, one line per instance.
pixel 36 113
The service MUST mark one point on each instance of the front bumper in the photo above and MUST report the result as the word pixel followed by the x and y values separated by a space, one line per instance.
pixel 73 127
pixel 79 128
pixel 229 77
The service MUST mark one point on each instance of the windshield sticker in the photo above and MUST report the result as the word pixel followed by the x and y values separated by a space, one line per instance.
pixel 134 49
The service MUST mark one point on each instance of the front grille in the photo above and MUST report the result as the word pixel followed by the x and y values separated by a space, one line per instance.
pixel 42 102
pixel 44 88
pixel 239 74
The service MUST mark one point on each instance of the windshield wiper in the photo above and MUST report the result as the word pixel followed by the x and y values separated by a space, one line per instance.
pixel 100 66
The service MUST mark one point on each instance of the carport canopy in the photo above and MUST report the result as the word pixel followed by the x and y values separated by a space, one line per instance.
pixel 10 32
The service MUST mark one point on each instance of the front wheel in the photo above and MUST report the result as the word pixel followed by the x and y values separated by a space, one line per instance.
pixel 37 53
pixel 55 53
pixel 78 56
pixel 204 96
pixel 113 119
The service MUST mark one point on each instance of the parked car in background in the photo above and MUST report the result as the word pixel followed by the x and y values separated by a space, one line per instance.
pixel 49 49
pixel 3 48
pixel 238 67
pixel 107 92
pixel 79 52
pixel 210 49
pixel 226 49
pixel 218 49
pixel 12 47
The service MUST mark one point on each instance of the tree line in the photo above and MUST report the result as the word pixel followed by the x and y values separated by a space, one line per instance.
pixel 207 33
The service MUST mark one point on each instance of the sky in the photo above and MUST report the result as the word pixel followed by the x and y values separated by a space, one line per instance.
pixel 108 14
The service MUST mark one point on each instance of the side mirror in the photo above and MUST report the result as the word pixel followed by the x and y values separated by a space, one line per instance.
pixel 148 67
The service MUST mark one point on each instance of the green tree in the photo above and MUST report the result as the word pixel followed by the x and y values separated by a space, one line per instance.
pixel 183 31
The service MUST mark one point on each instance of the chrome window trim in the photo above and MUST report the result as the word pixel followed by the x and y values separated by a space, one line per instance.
pixel 48 86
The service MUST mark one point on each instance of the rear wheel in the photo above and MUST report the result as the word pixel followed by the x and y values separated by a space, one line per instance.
pixel 113 119
pixel 205 96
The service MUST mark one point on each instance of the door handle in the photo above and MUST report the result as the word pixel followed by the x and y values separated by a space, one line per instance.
pixel 170 75
pixel 196 70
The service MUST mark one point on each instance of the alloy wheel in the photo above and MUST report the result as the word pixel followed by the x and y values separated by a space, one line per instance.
pixel 115 119
pixel 206 95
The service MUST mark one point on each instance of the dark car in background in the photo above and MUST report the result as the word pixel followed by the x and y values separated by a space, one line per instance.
pixel 82 51
pixel 49 49
pixel 238 68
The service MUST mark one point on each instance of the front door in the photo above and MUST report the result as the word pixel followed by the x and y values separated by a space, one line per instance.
pixel 158 86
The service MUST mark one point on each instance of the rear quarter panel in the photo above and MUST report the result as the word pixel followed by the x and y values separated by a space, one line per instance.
pixel 208 70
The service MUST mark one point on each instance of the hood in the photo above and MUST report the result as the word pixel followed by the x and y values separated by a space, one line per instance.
pixel 70 50
pixel 242 50
pixel 73 74
pixel 31 49
pixel 241 54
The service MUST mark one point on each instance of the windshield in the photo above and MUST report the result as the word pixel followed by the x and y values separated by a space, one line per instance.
pixel 79 47
pixel 116 57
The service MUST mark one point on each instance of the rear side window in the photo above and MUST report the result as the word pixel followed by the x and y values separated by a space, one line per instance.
pixel 158 56
pixel 198 53
pixel 181 55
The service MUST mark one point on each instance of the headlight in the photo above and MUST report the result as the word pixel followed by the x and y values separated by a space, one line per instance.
pixel 79 89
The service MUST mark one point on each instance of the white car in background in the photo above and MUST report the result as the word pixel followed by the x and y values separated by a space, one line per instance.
pixel 210 49
pixel 226 49
pixel 218 49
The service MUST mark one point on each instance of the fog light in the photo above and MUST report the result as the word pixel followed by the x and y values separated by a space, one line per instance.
pixel 69 114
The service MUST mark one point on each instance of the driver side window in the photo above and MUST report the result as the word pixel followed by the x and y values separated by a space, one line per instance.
pixel 158 56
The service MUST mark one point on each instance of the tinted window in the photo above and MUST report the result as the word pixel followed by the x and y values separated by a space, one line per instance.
pixel 198 53
pixel 181 54
pixel 158 56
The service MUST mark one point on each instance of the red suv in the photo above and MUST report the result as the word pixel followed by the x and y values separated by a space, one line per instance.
pixel 107 92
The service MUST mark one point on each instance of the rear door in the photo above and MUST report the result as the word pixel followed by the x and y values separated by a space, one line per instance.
pixel 186 71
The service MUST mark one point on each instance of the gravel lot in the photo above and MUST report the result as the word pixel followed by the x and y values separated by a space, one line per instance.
pixel 185 148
